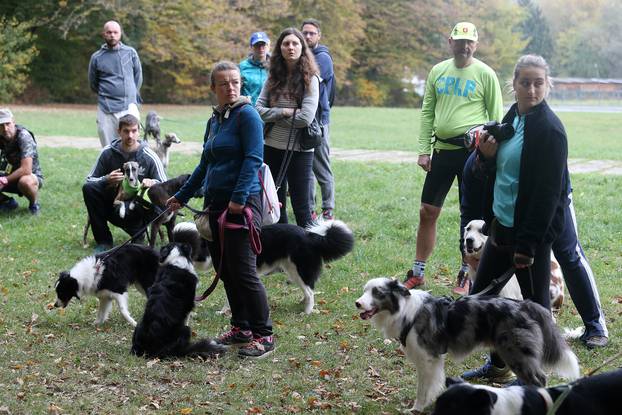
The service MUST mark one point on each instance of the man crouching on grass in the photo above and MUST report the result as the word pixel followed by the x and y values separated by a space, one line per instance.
pixel 102 183
pixel 20 172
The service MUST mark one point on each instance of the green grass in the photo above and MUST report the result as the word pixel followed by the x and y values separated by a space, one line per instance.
pixel 328 362
pixel 592 136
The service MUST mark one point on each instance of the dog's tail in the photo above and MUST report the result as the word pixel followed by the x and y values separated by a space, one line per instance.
pixel 557 355
pixel 332 239
pixel 204 348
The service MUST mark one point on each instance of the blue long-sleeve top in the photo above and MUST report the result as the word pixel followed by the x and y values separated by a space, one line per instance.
pixel 232 155
pixel 327 73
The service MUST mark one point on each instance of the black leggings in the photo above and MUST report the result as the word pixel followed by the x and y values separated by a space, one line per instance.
pixel 245 292
pixel 298 178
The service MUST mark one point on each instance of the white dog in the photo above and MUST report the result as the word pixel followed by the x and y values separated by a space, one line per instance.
pixel 474 241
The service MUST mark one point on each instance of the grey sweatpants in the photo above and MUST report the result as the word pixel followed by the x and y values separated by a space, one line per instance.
pixel 323 174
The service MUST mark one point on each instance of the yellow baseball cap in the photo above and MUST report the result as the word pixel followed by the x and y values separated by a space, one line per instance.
pixel 464 30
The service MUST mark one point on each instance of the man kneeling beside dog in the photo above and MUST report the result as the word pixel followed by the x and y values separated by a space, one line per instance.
pixel 101 187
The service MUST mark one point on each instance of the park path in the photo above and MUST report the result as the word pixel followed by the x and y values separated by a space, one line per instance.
pixel 606 167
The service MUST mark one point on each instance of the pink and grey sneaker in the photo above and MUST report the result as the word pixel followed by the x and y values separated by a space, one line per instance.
pixel 260 347
pixel 327 214
pixel 235 337
pixel 412 280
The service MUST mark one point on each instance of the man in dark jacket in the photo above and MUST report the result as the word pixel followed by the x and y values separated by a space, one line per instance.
pixel 102 183
pixel 321 162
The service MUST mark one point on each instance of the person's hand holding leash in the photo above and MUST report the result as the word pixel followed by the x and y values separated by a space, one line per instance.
pixel 236 208
pixel 115 176
pixel 425 162
pixel 173 204
pixel 3 181
pixel 522 261
pixel 288 112
pixel 487 145
pixel 148 182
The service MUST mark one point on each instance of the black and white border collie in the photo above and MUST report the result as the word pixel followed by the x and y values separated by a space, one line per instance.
pixel 108 278
pixel 299 252
pixel 595 395
pixel 163 331
pixel 428 327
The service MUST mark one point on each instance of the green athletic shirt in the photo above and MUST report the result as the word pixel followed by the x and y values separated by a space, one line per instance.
pixel 457 99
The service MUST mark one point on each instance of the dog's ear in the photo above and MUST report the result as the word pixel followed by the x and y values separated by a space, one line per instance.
pixel 456 380
pixel 398 287
pixel 482 399
pixel 186 250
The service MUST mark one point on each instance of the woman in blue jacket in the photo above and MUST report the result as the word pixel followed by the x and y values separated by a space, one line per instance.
pixel 231 158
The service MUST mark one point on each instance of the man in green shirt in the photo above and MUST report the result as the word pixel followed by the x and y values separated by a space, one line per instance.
pixel 460 93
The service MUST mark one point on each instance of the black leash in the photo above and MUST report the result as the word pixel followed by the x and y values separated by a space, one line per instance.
pixel 496 282
pixel 143 229
pixel 287 157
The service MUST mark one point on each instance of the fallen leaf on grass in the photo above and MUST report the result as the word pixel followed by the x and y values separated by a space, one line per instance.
pixel 54 410
pixel 185 411
pixel 254 410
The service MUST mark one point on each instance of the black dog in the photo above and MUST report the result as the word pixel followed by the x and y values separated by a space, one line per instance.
pixel 595 395
pixel 159 193
pixel 108 277
pixel 163 331
pixel 152 126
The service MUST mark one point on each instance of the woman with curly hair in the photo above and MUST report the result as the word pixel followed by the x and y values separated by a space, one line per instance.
pixel 293 83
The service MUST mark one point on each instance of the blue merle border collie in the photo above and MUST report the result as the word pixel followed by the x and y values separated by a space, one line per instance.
pixel 108 277
pixel 163 331
pixel 299 252
pixel 594 395
pixel 521 332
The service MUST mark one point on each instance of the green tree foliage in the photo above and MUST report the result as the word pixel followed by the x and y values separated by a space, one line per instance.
pixel 377 46
pixel 536 30
pixel 16 53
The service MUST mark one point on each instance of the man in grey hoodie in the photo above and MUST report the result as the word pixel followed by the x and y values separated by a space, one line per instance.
pixel 115 75
pixel 321 163
pixel 103 181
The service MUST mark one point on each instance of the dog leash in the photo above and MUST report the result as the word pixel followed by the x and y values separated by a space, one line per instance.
pixel 287 158
pixel 143 229
pixel 568 387
pixel 223 224
pixel 496 282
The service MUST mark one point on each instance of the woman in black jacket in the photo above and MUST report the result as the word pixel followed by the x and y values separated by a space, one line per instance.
pixel 526 194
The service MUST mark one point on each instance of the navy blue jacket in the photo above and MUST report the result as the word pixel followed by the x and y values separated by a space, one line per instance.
pixel 543 181
pixel 327 74
pixel 232 155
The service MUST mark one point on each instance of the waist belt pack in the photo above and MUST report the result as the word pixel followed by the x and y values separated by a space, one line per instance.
pixel 456 141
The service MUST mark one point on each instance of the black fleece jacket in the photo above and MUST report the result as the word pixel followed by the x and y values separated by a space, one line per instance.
pixel 542 183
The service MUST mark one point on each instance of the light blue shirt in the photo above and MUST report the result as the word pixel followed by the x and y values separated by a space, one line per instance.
pixel 508 172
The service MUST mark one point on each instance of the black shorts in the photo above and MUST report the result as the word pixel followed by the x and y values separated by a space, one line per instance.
pixel 12 188
pixel 446 165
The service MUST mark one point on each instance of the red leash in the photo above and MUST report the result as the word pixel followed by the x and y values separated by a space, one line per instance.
pixel 222 225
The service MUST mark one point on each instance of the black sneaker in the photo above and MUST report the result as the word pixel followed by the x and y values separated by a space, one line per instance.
pixel 34 209
pixel 8 205
pixel 235 337
pixel 259 348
